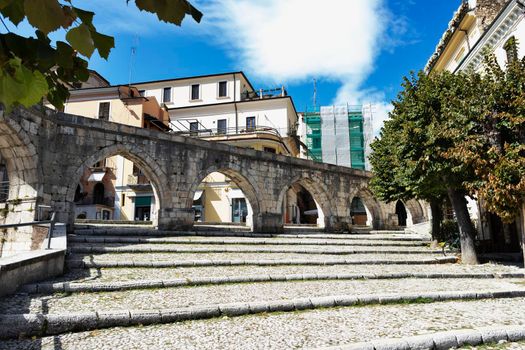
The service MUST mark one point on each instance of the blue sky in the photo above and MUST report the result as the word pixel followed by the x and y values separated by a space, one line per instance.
pixel 358 50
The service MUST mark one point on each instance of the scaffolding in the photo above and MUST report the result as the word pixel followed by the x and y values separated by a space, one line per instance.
pixel 337 135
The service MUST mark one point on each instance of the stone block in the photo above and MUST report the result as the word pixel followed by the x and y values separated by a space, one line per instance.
pixel 515 333
pixel 70 322
pixel 235 309
pixel 445 340
pixel 493 335
pixel 117 318
pixel 145 317
pixel 15 326
pixel 420 342
pixel 468 337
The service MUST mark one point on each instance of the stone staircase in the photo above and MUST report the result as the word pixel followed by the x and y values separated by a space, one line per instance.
pixel 136 288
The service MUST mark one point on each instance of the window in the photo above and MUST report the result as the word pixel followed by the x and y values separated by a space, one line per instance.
pixel 142 93
pixel 221 126
pixel 194 128
pixel 250 123
pixel 195 92
pixel 166 96
pixel 223 89
pixel 316 143
pixel 103 111
pixel 270 149
pixel 123 201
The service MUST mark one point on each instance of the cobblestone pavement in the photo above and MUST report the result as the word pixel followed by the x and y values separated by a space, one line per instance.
pixel 119 274
pixel 168 298
pixel 309 329
pixel 289 330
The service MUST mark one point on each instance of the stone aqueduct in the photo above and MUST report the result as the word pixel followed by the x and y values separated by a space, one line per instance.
pixel 47 152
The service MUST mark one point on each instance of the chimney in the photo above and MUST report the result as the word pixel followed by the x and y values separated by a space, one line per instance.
pixel 488 10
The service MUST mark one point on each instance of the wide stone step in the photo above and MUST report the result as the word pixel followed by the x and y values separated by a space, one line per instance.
pixel 38 324
pixel 315 329
pixel 93 287
pixel 161 261
pixel 108 275
pixel 158 233
pixel 191 249
pixel 244 241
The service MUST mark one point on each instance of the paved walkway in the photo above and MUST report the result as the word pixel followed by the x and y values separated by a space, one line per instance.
pixel 239 291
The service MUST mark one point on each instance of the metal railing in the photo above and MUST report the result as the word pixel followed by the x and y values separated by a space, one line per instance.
pixel 263 94
pixel 50 222
pixel 202 133
pixel 4 191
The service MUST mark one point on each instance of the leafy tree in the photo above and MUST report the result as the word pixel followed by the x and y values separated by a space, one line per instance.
pixel 33 68
pixel 497 149
pixel 431 115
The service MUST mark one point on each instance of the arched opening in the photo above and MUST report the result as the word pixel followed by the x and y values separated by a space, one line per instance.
pixel 115 185
pixel 224 197
pixel 365 210
pixel 401 213
pixel 99 192
pixel 359 213
pixel 300 207
pixel 304 202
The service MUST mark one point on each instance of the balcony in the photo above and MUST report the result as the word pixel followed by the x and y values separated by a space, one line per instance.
pixel 88 201
pixel 263 94
pixel 139 182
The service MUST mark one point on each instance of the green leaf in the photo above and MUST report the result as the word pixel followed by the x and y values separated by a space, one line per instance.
pixel 81 40
pixel 85 16
pixel 103 43
pixel 64 55
pixel 170 11
pixel 19 85
pixel 13 10
pixel 46 15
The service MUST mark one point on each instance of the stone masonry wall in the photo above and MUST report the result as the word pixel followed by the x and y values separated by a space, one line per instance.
pixel 488 10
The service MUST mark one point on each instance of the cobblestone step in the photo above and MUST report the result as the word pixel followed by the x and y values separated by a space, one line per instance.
pixel 92 287
pixel 135 273
pixel 497 336
pixel 176 295
pixel 377 235
pixel 315 329
pixel 159 248
pixel 246 241
pixel 11 325
pixel 171 262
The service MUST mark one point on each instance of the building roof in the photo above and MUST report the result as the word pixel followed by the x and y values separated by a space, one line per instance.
pixel 453 26
pixel 196 77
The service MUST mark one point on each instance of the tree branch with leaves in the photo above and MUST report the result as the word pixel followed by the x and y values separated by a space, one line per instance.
pixel 35 68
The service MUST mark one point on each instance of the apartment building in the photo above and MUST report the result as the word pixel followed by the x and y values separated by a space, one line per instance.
pixel 226 108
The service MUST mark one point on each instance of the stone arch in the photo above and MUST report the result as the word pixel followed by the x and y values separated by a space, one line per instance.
pixel 21 160
pixel 131 152
pixel 243 181
pixel 317 189
pixel 415 210
pixel 372 205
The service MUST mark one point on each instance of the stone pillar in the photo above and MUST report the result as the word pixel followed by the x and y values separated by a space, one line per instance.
pixel 337 223
pixel 176 219
pixel 268 223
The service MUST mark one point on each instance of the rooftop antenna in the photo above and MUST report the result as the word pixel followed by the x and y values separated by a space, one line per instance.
pixel 132 57
pixel 315 95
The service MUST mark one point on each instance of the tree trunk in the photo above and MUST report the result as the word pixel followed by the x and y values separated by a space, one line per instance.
pixel 522 227
pixel 437 218
pixel 467 232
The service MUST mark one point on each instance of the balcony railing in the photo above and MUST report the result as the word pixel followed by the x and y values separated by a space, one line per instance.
pixel 263 94
pixel 218 132
pixel 138 179
pixel 4 191
pixel 106 201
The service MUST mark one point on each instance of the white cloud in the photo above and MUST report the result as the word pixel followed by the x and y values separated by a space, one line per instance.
pixel 293 41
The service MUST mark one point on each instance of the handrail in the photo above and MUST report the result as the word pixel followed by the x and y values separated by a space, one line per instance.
pixel 34 223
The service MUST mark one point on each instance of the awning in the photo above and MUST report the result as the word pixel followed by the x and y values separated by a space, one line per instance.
pixel 142 201
pixel 235 193
pixel 96 177
pixel 197 195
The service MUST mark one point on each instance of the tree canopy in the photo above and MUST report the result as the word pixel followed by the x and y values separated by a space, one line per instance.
pixel 455 135
pixel 36 68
